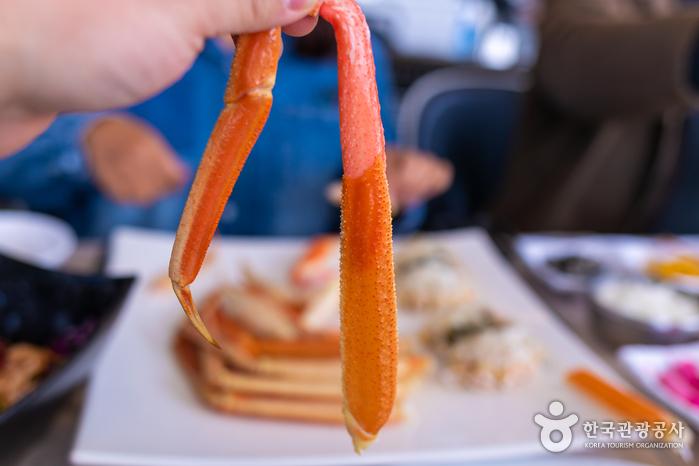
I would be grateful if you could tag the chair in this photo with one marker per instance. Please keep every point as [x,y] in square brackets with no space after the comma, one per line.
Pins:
[467,116]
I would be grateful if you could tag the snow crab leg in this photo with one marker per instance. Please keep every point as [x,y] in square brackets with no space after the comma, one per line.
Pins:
[368,307]
[248,100]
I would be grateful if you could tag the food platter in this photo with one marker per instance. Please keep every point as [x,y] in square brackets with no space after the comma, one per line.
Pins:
[645,256]
[141,410]
[639,289]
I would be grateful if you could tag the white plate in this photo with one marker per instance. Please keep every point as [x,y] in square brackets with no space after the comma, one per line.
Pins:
[648,362]
[140,409]
[38,239]
[551,460]
[558,461]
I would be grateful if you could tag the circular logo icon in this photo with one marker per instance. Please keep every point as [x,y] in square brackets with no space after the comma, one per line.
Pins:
[562,426]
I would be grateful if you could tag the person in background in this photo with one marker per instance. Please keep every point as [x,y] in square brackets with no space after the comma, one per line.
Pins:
[83,158]
[609,138]
[74,55]
[132,168]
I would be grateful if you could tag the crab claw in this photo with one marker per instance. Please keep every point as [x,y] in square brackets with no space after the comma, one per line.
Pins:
[248,101]
[184,295]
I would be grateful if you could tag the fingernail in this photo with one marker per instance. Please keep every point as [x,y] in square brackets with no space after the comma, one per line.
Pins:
[300,5]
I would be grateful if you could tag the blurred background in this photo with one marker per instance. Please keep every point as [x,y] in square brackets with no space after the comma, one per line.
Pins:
[515,115]
[450,72]
[565,129]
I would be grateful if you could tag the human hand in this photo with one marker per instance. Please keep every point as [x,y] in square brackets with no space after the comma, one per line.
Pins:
[415,176]
[130,162]
[92,55]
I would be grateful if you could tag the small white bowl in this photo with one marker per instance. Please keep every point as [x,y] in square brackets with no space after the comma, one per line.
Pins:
[37,239]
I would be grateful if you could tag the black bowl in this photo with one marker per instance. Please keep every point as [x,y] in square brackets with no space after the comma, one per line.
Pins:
[66,313]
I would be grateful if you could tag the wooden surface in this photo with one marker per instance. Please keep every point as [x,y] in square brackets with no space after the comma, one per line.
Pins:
[44,437]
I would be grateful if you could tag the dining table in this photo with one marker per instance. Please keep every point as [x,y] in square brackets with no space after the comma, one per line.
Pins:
[45,435]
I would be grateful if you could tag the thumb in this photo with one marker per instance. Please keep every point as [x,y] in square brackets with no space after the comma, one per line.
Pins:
[242,16]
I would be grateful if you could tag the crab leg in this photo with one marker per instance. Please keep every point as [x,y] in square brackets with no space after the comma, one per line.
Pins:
[368,321]
[248,101]
[368,305]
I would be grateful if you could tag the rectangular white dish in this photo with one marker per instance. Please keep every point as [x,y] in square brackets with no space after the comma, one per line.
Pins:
[140,409]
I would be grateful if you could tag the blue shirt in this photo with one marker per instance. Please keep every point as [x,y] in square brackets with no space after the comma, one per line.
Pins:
[281,190]
[50,174]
